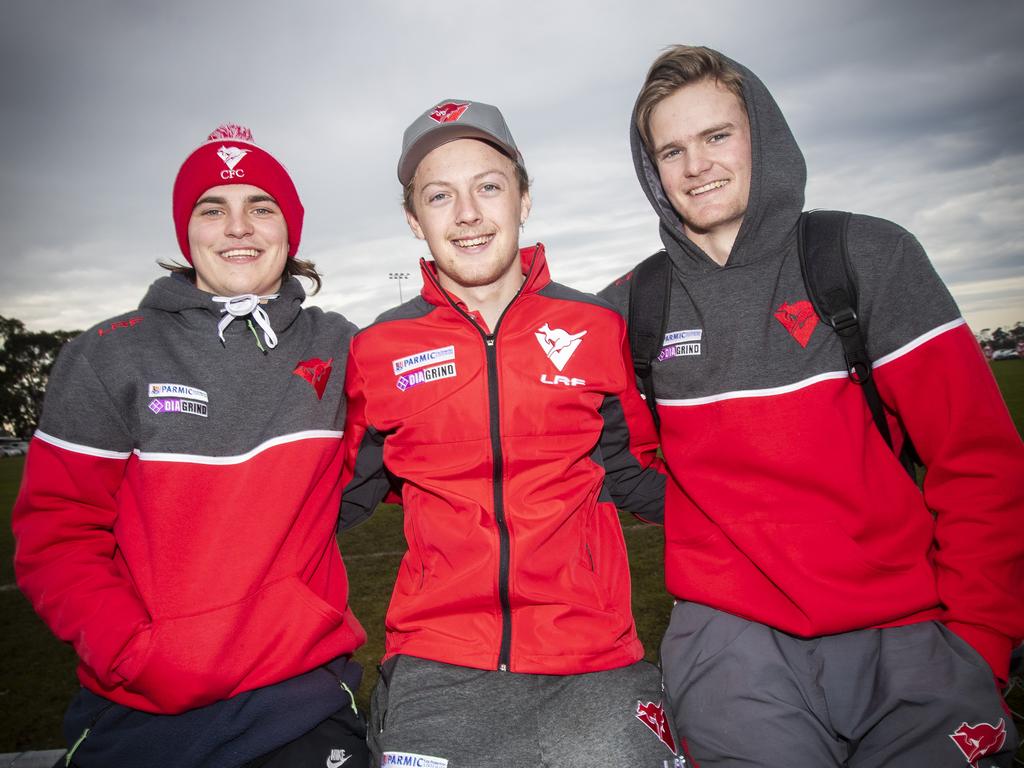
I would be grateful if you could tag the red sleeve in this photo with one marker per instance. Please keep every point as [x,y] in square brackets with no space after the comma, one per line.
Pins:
[943,390]
[65,555]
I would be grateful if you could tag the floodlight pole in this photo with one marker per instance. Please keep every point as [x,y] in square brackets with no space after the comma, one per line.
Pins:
[399,276]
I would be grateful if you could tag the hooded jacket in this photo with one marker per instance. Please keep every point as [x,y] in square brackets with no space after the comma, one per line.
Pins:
[512,447]
[784,504]
[176,519]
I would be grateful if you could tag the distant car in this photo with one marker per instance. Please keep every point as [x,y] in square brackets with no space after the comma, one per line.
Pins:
[18,448]
[1005,354]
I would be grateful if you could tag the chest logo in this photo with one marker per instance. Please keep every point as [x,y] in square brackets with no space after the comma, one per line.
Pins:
[558,345]
[316,372]
[178,390]
[422,376]
[413,760]
[178,398]
[420,359]
[175,405]
[798,319]
[681,344]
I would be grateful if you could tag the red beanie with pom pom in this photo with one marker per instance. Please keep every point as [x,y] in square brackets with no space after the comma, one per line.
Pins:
[229,156]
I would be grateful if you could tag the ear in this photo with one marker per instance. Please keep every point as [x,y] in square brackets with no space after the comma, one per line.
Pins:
[524,208]
[414,225]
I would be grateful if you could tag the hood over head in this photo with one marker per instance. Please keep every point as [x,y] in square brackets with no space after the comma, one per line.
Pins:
[777,180]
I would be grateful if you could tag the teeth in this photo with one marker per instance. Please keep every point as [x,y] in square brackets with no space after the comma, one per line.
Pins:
[473,241]
[240,253]
[709,187]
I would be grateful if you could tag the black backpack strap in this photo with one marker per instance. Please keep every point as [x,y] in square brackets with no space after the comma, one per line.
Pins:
[649,293]
[824,262]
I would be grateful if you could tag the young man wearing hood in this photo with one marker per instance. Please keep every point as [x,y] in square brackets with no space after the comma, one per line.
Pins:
[829,610]
[177,517]
[493,401]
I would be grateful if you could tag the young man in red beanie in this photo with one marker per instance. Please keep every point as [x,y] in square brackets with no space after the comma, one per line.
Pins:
[504,404]
[176,519]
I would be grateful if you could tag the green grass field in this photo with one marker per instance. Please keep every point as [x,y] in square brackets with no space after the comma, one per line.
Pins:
[37,671]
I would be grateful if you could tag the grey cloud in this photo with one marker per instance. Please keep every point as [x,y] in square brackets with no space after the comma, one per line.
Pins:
[909,110]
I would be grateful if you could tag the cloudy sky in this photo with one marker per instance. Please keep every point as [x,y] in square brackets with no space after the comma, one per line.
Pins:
[909,110]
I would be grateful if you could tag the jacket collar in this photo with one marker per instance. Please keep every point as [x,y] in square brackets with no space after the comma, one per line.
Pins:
[533,262]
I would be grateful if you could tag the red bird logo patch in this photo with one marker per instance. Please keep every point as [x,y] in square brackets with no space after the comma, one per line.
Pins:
[448,112]
[653,716]
[978,741]
[799,319]
[316,372]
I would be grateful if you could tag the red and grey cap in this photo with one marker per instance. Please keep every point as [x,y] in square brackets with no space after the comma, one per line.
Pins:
[449,120]
[229,156]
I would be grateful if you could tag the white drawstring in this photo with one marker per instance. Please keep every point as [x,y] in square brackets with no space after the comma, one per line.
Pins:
[247,304]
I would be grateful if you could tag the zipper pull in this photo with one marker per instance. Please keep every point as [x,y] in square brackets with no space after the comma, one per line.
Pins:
[503,668]
[490,341]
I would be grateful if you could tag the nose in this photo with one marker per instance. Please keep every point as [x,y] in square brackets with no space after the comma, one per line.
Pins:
[696,161]
[237,224]
[467,211]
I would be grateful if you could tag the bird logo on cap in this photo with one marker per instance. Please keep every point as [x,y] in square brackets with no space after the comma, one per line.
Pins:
[448,112]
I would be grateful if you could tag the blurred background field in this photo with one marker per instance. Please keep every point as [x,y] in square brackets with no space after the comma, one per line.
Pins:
[37,677]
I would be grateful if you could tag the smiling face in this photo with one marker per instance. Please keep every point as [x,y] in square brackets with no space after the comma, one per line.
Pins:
[238,241]
[467,205]
[700,137]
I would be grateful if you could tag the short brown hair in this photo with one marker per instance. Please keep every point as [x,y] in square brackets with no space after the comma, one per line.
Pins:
[678,66]
[293,267]
[521,177]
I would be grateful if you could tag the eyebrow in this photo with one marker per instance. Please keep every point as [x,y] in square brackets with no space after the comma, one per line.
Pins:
[706,132]
[477,177]
[211,200]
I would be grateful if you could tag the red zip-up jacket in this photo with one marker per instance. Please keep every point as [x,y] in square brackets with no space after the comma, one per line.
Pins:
[513,447]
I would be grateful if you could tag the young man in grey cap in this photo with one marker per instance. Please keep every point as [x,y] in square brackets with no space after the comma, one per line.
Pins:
[492,402]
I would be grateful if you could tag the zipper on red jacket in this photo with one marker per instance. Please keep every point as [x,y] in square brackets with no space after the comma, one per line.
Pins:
[498,466]
[498,483]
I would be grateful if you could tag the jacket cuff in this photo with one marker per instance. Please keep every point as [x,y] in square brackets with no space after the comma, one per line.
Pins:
[993,647]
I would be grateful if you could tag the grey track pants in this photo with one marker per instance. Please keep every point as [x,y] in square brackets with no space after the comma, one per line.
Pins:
[433,715]
[917,696]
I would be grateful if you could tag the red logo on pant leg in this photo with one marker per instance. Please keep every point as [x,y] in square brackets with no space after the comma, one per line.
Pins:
[799,319]
[978,741]
[653,716]
[316,372]
[448,112]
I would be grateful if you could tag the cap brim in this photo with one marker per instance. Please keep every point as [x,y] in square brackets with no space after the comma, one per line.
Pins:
[435,137]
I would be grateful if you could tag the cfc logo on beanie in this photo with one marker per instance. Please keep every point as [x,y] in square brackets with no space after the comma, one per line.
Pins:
[232,156]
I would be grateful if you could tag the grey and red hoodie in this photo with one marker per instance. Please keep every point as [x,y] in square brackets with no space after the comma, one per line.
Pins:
[176,521]
[784,505]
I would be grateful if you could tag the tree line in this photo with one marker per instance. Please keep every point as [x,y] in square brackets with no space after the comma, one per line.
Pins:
[1001,338]
[26,358]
